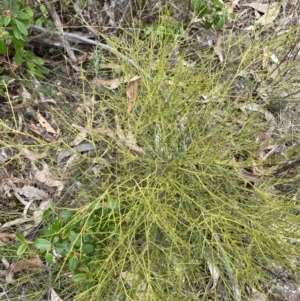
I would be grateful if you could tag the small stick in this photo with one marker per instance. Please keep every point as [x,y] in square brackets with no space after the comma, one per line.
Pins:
[91,42]
[59,27]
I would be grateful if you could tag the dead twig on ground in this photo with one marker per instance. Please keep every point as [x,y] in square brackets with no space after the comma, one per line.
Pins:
[59,27]
[41,38]
[79,38]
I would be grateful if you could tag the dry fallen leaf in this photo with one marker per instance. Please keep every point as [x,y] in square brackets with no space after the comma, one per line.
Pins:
[81,148]
[133,280]
[6,237]
[33,156]
[83,133]
[130,142]
[4,155]
[34,128]
[37,217]
[33,264]
[46,177]
[215,274]
[54,296]
[5,263]
[131,92]
[113,83]
[230,6]
[25,94]
[270,15]
[257,296]
[44,123]
[109,83]
[42,98]
[246,175]
[17,221]
[261,7]
[31,192]
[126,141]
[117,68]
[218,48]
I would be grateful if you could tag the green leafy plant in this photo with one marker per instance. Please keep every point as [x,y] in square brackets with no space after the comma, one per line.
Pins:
[43,19]
[74,238]
[213,12]
[166,31]
[14,25]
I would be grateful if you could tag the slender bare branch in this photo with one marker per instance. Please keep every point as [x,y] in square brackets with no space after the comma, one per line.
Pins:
[59,27]
[91,42]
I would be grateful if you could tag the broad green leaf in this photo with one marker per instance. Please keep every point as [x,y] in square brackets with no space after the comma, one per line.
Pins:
[66,214]
[30,54]
[88,238]
[74,237]
[3,48]
[16,32]
[22,28]
[39,61]
[2,19]
[29,12]
[202,11]
[87,249]
[62,248]
[48,232]
[91,221]
[55,239]
[23,16]
[72,263]
[22,248]
[113,203]
[79,277]
[6,20]
[66,233]
[42,244]
[49,258]
[21,237]
[196,3]
[30,65]
[220,23]
[5,34]
[40,74]
[96,206]
[47,213]
[18,43]
[15,7]
[56,224]
[200,8]
[232,16]
[43,8]
[18,58]
[4,78]
[218,3]
[39,22]
[207,25]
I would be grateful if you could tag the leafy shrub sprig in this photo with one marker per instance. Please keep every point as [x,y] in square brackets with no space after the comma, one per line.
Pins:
[14,25]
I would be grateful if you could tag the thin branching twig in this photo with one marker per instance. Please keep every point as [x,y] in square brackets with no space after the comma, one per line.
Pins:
[90,42]
[59,27]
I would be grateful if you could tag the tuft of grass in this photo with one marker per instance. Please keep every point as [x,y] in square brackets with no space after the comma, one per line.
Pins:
[176,221]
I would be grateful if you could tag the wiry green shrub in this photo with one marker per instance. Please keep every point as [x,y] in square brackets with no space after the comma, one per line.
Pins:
[185,223]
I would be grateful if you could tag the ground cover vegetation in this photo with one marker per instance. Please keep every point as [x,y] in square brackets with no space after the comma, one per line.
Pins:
[149,150]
